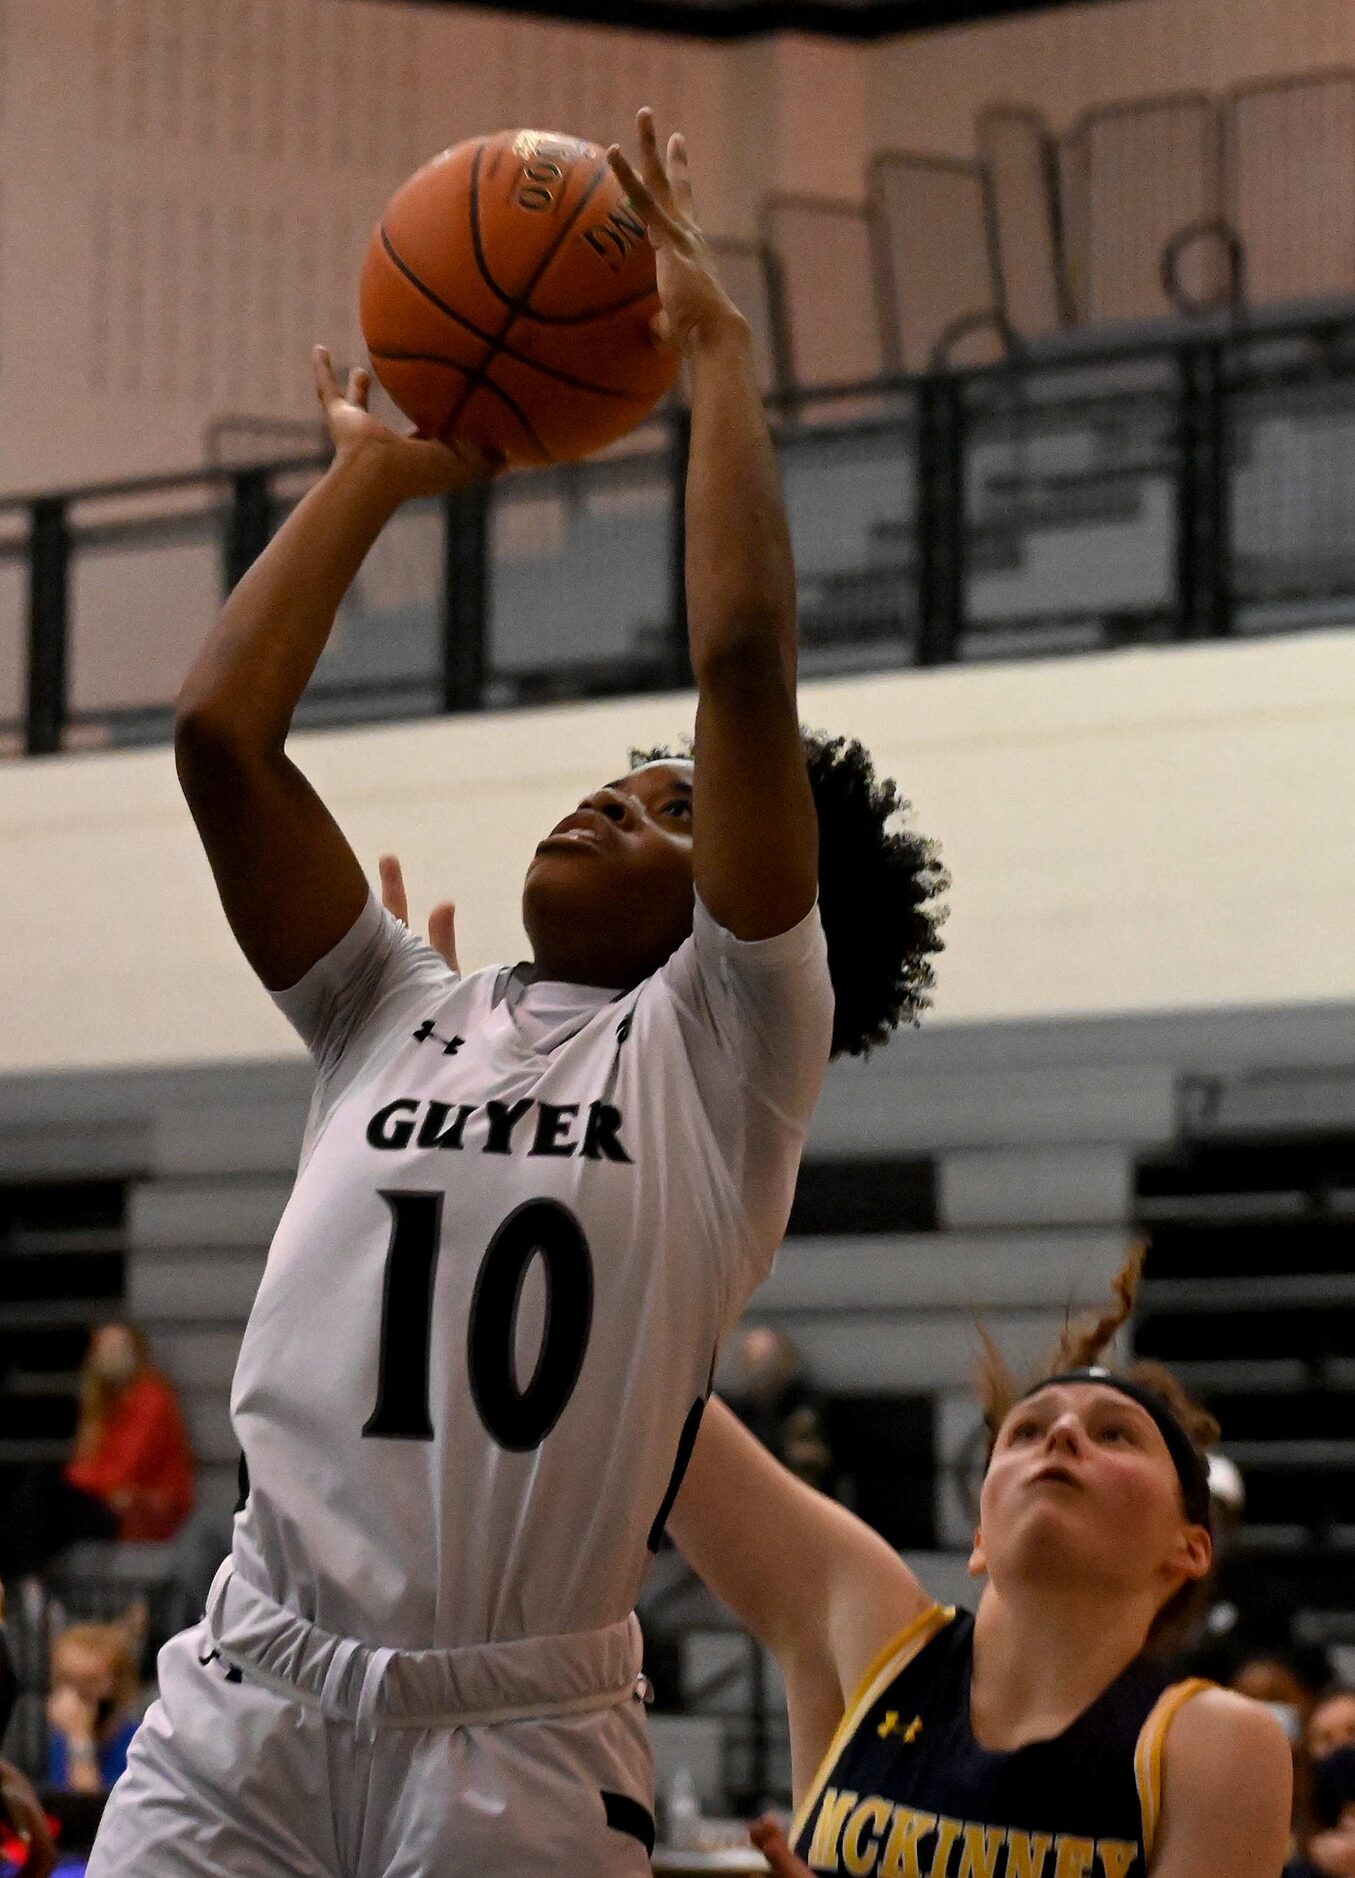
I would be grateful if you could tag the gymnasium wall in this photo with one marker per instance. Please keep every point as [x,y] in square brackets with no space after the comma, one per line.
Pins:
[1128,833]
[924,89]
[189,187]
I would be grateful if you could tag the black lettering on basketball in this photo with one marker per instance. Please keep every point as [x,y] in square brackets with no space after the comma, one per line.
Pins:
[534,196]
[607,243]
[543,172]
[617,237]
[627,224]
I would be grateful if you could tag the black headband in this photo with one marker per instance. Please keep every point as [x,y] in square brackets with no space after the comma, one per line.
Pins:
[1192,1469]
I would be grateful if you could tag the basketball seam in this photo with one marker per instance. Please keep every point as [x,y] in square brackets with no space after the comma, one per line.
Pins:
[508,352]
[517,304]
[597,313]
[479,378]
[486,384]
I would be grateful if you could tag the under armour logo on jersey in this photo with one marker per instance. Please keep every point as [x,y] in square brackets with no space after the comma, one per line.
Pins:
[450,1045]
[891,1725]
[215,1656]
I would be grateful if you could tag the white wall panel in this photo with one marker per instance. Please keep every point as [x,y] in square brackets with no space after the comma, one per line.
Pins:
[1075,1186]
[879,1273]
[207,1213]
[1145,831]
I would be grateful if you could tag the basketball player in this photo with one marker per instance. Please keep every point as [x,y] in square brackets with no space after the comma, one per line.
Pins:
[1035,1739]
[531,1201]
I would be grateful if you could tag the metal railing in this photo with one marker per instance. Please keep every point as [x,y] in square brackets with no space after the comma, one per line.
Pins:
[1189,482]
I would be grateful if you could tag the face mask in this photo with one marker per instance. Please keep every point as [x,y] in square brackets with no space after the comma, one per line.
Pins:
[9,1683]
[1289,1719]
[1333,1784]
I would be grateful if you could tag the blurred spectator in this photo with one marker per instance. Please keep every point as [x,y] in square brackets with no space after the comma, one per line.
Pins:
[1328,1835]
[1281,1684]
[1328,1846]
[131,1475]
[1331,1724]
[764,1381]
[91,1711]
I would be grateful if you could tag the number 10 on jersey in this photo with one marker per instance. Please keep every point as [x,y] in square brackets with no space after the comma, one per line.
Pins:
[517,1418]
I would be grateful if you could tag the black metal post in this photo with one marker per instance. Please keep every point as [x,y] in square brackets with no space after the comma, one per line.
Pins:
[1204,599]
[759,1719]
[248,526]
[940,518]
[679,661]
[465,598]
[49,551]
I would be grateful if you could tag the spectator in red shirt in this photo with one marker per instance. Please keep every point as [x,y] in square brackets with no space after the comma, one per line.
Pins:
[131,1447]
[131,1475]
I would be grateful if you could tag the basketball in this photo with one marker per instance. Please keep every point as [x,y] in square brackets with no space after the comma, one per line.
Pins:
[506,299]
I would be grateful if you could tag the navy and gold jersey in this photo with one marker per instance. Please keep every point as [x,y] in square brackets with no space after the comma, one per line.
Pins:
[905,1789]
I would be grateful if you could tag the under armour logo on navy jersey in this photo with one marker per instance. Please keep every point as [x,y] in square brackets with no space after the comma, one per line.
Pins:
[450,1045]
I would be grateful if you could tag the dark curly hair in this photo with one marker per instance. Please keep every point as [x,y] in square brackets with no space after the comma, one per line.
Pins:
[878,893]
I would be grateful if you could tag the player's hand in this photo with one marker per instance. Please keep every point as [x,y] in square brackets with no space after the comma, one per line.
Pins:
[695,307]
[417,466]
[770,1839]
[70,1714]
[23,1809]
[441,921]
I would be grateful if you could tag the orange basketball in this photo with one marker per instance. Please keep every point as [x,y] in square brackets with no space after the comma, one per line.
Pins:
[507,295]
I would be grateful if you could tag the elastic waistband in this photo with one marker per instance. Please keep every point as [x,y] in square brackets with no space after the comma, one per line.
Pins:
[473,1686]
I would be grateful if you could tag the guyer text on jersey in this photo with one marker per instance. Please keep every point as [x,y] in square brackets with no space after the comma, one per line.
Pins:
[560,1129]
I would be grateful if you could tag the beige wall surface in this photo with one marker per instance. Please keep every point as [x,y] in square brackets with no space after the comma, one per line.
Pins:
[1145,830]
[189,186]
[925,88]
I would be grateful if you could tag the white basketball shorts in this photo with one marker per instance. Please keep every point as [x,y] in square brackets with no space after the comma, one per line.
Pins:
[276,1750]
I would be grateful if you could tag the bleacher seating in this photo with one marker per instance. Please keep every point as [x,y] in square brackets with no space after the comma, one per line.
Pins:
[964,1172]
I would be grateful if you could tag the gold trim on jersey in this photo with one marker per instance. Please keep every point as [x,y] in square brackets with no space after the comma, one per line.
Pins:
[896,1655]
[1148,1755]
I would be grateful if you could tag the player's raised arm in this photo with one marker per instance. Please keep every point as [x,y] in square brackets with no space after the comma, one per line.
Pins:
[755,834]
[806,1576]
[289,882]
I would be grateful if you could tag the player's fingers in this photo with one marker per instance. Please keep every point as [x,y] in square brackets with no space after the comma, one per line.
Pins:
[651,162]
[767,1835]
[442,932]
[359,385]
[393,895]
[652,212]
[679,175]
[326,384]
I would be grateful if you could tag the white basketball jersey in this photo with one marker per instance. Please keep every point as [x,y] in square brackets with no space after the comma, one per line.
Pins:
[495,1297]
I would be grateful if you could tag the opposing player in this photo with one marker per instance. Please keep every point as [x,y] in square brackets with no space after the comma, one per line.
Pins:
[531,1200]
[1036,1739]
